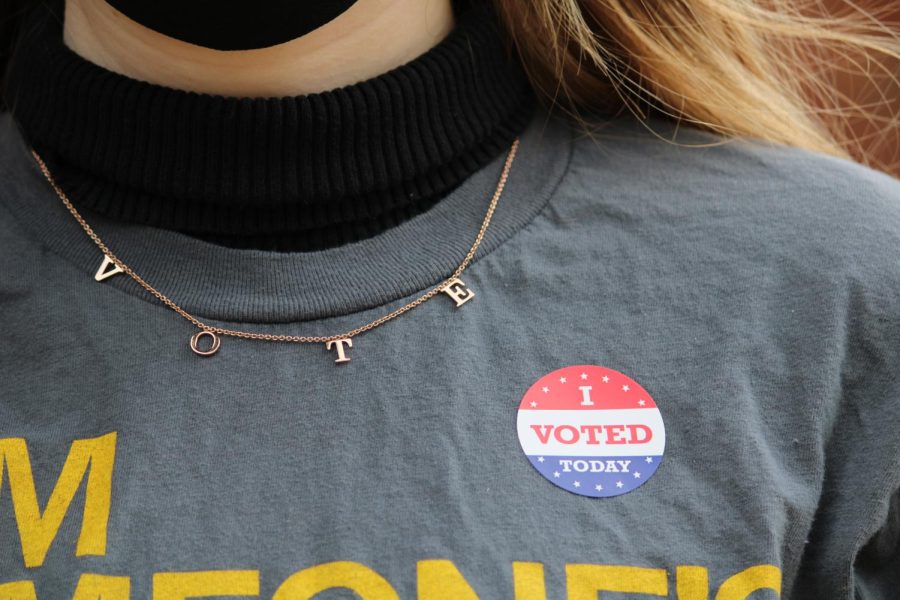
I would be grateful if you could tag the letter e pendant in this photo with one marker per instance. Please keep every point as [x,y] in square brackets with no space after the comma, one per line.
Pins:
[457,290]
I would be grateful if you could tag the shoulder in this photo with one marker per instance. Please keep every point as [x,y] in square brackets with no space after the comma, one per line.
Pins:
[21,187]
[18,175]
[657,160]
[743,198]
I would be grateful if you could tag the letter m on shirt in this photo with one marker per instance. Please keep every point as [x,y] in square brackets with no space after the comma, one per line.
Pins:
[90,459]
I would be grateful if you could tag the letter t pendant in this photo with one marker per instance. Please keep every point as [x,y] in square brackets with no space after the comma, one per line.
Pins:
[339,346]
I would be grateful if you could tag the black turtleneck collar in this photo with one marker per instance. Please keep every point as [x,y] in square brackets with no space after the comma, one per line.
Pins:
[292,173]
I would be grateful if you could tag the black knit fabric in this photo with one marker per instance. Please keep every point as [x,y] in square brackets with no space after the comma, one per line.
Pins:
[292,173]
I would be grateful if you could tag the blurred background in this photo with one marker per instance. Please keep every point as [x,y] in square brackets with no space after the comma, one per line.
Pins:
[860,93]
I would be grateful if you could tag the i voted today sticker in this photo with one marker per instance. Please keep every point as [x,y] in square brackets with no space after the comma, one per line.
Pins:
[591,430]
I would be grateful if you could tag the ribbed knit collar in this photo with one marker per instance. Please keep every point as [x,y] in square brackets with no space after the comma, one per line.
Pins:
[291,173]
[374,275]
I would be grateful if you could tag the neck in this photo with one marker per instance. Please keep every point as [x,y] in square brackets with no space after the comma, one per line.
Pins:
[338,53]
[289,172]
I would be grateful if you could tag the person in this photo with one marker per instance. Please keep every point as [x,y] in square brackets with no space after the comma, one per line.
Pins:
[443,300]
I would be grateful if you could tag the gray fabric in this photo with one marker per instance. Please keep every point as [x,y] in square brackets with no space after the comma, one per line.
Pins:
[751,289]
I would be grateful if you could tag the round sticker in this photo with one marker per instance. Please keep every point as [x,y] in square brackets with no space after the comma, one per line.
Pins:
[591,430]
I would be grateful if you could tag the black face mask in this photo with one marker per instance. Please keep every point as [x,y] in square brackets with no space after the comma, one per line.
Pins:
[232,24]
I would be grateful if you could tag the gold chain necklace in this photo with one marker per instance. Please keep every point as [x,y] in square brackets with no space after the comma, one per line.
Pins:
[453,286]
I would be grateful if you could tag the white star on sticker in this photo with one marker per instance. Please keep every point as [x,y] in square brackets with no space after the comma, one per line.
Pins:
[605,379]
[619,484]
[533,404]
[584,375]
[648,459]
[562,379]
[556,473]
[637,474]
[642,402]
[540,459]
[577,484]
[545,389]
[625,388]
[598,487]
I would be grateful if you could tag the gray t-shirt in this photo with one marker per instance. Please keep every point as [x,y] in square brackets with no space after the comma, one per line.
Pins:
[748,295]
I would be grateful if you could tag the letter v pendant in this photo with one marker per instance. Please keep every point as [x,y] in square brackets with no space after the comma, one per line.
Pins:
[207,341]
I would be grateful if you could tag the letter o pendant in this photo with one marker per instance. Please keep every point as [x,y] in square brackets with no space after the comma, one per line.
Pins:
[213,348]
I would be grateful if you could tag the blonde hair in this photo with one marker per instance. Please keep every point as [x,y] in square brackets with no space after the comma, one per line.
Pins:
[759,68]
